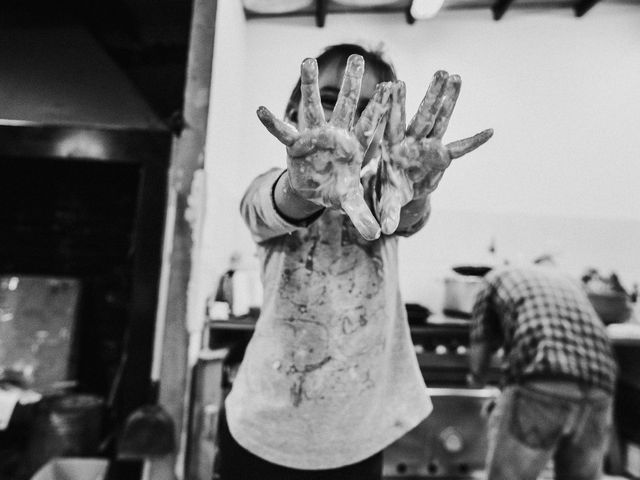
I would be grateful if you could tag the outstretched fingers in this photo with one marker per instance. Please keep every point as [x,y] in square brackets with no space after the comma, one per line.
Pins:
[462,147]
[452,90]
[425,117]
[311,104]
[372,115]
[284,132]
[396,124]
[345,107]
[357,210]
[389,201]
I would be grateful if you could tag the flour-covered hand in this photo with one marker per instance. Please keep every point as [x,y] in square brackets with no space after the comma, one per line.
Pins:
[414,159]
[324,158]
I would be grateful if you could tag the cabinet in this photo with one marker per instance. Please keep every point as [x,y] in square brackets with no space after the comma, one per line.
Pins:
[207,396]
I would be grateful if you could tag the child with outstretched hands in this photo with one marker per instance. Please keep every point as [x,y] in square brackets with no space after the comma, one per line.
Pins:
[330,376]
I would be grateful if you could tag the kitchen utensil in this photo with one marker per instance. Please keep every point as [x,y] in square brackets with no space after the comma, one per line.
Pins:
[148,432]
[459,295]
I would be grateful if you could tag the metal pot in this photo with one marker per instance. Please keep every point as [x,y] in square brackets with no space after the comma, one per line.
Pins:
[461,288]
[460,293]
[611,307]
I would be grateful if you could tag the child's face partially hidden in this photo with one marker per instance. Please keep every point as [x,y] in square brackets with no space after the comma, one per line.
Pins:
[329,82]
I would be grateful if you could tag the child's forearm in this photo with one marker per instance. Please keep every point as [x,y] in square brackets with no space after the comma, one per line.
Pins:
[289,203]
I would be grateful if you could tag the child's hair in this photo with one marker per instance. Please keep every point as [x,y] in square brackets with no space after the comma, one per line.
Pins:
[373,60]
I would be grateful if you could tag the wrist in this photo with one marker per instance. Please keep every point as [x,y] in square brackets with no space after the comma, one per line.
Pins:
[428,184]
[418,205]
[289,203]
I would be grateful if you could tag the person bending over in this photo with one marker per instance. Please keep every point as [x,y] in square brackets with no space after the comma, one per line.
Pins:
[559,374]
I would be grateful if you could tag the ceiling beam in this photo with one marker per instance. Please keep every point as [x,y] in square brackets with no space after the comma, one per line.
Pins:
[500,7]
[321,12]
[583,6]
[408,15]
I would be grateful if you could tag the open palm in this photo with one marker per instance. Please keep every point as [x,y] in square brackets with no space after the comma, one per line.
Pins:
[414,160]
[324,158]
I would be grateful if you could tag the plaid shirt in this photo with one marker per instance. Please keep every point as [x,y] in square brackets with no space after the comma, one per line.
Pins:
[546,325]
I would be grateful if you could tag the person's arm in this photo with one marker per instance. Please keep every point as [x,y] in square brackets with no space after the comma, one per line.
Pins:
[479,360]
[485,335]
[290,204]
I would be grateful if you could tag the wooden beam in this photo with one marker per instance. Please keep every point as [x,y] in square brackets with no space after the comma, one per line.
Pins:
[500,7]
[321,12]
[186,159]
[410,18]
[583,6]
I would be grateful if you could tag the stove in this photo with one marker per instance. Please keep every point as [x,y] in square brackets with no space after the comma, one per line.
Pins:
[449,443]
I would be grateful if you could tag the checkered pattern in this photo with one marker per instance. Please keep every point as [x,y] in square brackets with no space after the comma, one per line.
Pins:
[546,326]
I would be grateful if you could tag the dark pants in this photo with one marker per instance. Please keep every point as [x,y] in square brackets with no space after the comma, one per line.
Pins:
[234,462]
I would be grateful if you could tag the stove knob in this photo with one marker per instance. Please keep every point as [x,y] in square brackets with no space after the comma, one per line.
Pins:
[441,350]
[451,440]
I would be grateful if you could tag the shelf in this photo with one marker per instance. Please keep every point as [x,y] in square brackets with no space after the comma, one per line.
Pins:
[436,325]
[242,323]
[450,334]
[625,334]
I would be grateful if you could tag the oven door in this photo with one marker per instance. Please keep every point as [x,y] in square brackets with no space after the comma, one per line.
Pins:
[451,442]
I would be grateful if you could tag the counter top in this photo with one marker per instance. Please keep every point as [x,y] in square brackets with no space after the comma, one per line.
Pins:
[624,334]
[436,326]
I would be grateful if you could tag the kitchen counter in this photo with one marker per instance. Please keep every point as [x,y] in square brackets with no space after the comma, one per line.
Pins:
[441,345]
[439,330]
[626,334]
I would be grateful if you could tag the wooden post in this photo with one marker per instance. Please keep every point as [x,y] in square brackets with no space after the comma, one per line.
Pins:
[321,12]
[187,157]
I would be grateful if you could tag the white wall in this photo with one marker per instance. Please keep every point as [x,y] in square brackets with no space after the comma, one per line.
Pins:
[225,178]
[561,174]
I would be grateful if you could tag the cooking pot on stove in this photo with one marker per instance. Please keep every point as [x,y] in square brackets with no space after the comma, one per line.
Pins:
[461,288]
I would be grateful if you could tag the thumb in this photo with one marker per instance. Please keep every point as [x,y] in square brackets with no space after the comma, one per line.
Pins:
[388,208]
[392,193]
[284,132]
[357,210]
